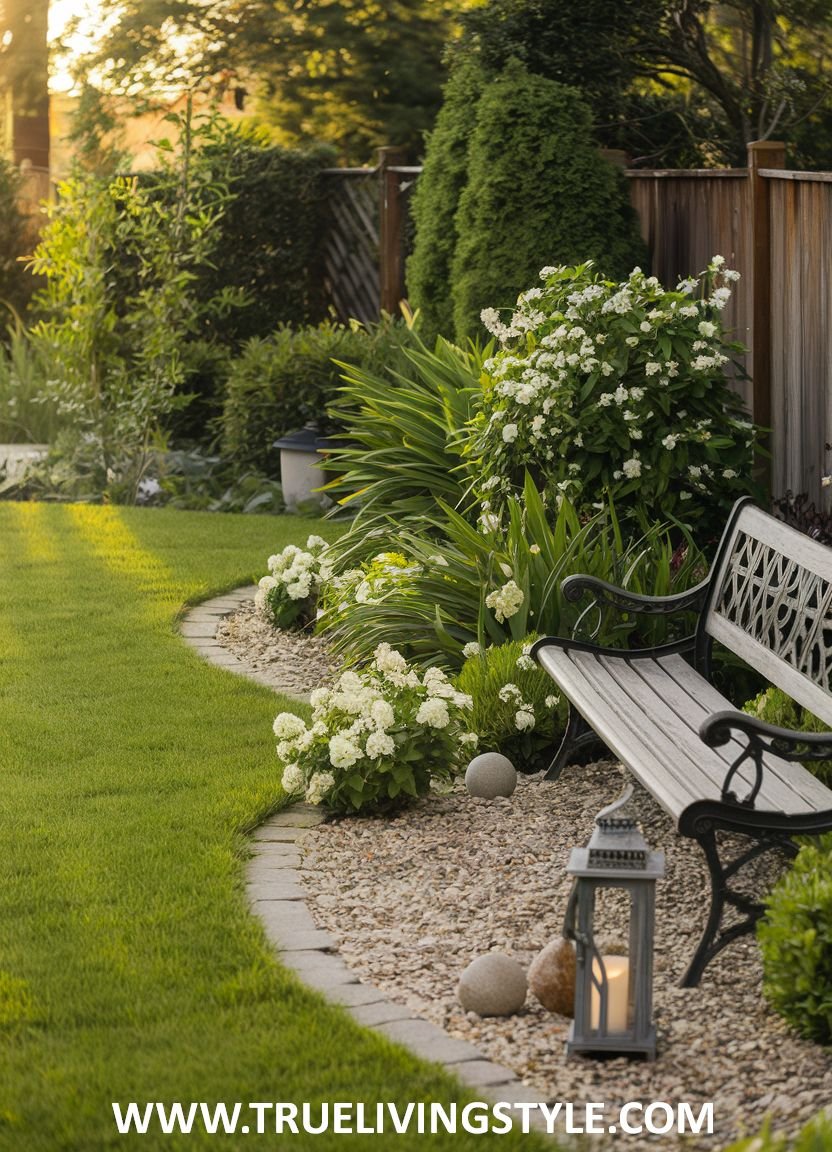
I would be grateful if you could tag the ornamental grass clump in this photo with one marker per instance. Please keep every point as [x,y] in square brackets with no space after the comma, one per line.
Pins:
[379,739]
[515,709]
[288,596]
[617,388]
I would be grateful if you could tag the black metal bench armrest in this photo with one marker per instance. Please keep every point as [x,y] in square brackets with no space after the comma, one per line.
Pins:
[761,738]
[573,587]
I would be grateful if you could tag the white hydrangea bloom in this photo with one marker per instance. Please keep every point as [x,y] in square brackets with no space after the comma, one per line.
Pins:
[379,744]
[472,649]
[382,714]
[525,663]
[343,752]
[320,785]
[510,433]
[434,713]
[292,780]
[707,328]
[288,726]
[552,701]
[524,720]
[510,693]
[320,697]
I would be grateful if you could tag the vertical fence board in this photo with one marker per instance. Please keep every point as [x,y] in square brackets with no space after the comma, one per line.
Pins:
[688,217]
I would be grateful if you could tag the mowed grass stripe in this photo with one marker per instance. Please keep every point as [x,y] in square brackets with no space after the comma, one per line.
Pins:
[130,968]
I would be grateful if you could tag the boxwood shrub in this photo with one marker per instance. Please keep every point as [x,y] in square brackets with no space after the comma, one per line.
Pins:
[287,379]
[796,942]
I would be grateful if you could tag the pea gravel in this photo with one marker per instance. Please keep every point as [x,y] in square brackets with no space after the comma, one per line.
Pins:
[411,900]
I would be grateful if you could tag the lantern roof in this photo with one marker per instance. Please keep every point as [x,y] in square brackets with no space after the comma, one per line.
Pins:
[617,847]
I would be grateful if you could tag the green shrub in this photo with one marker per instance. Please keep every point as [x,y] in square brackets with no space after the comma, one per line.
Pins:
[269,238]
[815,1137]
[283,381]
[616,387]
[26,414]
[435,200]
[796,942]
[775,707]
[404,429]
[538,192]
[16,284]
[516,710]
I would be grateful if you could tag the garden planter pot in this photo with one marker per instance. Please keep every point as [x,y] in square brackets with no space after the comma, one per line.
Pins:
[300,468]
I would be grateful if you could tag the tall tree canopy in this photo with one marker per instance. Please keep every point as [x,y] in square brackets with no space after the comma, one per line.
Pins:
[356,73]
[671,79]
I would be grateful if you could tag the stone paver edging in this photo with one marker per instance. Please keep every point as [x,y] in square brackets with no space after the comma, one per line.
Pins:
[277,896]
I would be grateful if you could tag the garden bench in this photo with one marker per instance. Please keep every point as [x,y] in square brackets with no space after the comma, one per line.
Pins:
[767,599]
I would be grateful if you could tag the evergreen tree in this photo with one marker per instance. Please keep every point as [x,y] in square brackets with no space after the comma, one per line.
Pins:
[538,193]
[435,201]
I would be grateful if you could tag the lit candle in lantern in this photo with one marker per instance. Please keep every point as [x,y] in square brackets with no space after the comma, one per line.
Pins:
[617,969]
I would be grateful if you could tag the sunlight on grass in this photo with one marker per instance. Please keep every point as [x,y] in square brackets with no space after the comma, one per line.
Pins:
[130,967]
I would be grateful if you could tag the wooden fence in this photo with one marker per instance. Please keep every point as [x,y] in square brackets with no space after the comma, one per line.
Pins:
[773,226]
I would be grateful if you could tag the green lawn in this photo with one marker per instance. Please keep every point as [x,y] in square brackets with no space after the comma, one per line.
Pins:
[130,771]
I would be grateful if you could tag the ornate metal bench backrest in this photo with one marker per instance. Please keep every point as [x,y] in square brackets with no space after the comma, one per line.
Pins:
[770,602]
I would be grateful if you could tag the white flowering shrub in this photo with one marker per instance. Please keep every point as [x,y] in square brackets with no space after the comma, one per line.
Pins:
[516,708]
[288,595]
[599,386]
[378,739]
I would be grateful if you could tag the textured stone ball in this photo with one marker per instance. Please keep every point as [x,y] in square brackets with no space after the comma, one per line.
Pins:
[492,985]
[489,775]
[552,977]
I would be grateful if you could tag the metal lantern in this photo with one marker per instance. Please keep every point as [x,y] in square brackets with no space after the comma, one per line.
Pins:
[614,994]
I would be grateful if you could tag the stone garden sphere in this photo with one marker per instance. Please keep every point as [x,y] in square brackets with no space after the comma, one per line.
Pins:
[490,775]
[492,985]
[552,977]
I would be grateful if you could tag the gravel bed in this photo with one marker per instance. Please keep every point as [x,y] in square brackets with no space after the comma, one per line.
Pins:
[291,662]
[413,899]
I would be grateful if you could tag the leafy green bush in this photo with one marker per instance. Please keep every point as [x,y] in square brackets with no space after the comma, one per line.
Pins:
[26,414]
[404,429]
[378,739]
[283,381]
[619,388]
[796,942]
[538,191]
[775,707]
[516,710]
[815,1137]
[435,199]
[16,284]
[465,585]
[269,238]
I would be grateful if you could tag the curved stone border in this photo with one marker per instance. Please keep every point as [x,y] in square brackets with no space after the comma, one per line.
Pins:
[276,894]
[199,629]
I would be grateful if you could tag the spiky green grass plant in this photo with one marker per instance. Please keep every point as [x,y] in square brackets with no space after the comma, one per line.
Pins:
[130,967]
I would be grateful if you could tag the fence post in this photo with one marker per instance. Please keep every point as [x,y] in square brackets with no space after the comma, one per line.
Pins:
[762,154]
[390,229]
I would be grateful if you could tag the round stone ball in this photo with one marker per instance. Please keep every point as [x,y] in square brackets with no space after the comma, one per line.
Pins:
[490,775]
[492,985]
[552,977]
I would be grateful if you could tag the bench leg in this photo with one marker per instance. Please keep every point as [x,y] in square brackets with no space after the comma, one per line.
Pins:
[578,735]
[715,938]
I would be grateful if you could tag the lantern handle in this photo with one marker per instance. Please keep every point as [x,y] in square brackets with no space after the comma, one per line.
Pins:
[605,814]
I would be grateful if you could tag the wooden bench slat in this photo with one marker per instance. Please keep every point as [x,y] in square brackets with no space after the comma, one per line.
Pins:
[601,706]
[795,777]
[676,682]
